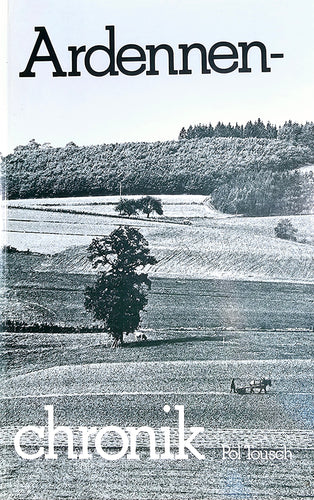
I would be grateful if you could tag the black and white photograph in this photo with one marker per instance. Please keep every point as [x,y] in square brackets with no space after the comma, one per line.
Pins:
[157,278]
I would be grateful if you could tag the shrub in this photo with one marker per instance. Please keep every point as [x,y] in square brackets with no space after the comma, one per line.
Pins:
[285,230]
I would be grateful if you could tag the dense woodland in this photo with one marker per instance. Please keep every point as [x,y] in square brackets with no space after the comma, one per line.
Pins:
[253,175]
[265,192]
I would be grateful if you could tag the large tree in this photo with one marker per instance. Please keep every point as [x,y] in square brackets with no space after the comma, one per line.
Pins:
[120,292]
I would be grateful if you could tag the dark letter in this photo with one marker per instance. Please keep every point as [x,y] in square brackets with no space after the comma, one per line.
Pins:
[75,52]
[152,59]
[212,56]
[111,53]
[121,59]
[43,36]
[185,52]
[245,49]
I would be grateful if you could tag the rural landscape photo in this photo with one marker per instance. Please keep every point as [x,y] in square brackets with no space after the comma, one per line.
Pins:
[209,241]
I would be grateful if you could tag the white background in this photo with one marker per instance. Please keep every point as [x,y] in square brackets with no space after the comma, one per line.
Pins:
[91,110]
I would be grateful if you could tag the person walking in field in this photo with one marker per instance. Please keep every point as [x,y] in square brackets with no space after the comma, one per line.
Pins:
[232,387]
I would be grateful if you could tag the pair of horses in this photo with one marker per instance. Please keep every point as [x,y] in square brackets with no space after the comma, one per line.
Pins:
[260,384]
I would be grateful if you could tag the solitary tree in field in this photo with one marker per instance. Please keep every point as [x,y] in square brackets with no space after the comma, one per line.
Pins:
[126,207]
[285,230]
[149,204]
[120,292]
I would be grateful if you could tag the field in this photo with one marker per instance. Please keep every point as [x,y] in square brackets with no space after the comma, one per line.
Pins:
[228,300]
[91,384]
[213,246]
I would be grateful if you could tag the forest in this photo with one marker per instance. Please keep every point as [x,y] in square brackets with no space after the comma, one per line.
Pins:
[249,174]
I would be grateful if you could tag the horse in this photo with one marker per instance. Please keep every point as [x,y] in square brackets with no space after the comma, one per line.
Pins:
[260,384]
[140,336]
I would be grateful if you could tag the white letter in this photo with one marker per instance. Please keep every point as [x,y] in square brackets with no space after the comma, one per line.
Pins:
[225,451]
[122,434]
[280,455]
[286,453]
[186,443]
[17,445]
[152,442]
[52,434]
[85,433]
[167,455]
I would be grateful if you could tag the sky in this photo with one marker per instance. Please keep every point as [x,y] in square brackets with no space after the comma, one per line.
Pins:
[94,110]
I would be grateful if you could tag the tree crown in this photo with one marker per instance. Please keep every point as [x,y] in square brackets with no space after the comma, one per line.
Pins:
[149,204]
[123,250]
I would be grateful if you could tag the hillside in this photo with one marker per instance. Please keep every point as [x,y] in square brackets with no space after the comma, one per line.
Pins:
[213,248]
[185,166]
[211,245]
[230,248]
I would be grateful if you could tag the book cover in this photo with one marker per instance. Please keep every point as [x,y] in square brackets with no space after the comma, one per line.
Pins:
[157,261]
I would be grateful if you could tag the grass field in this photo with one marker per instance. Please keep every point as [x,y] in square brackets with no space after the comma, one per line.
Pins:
[93,385]
[195,348]
[213,246]
[202,332]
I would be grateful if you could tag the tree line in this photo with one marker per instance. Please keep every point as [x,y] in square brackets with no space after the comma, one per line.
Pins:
[171,167]
[291,131]
[250,129]
[227,168]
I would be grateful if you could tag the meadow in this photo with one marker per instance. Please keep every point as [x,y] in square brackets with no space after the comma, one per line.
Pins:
[214,245]
[91,384]
[228,300]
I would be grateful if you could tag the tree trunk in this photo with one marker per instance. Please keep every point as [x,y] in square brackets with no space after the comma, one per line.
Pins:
[117,340]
